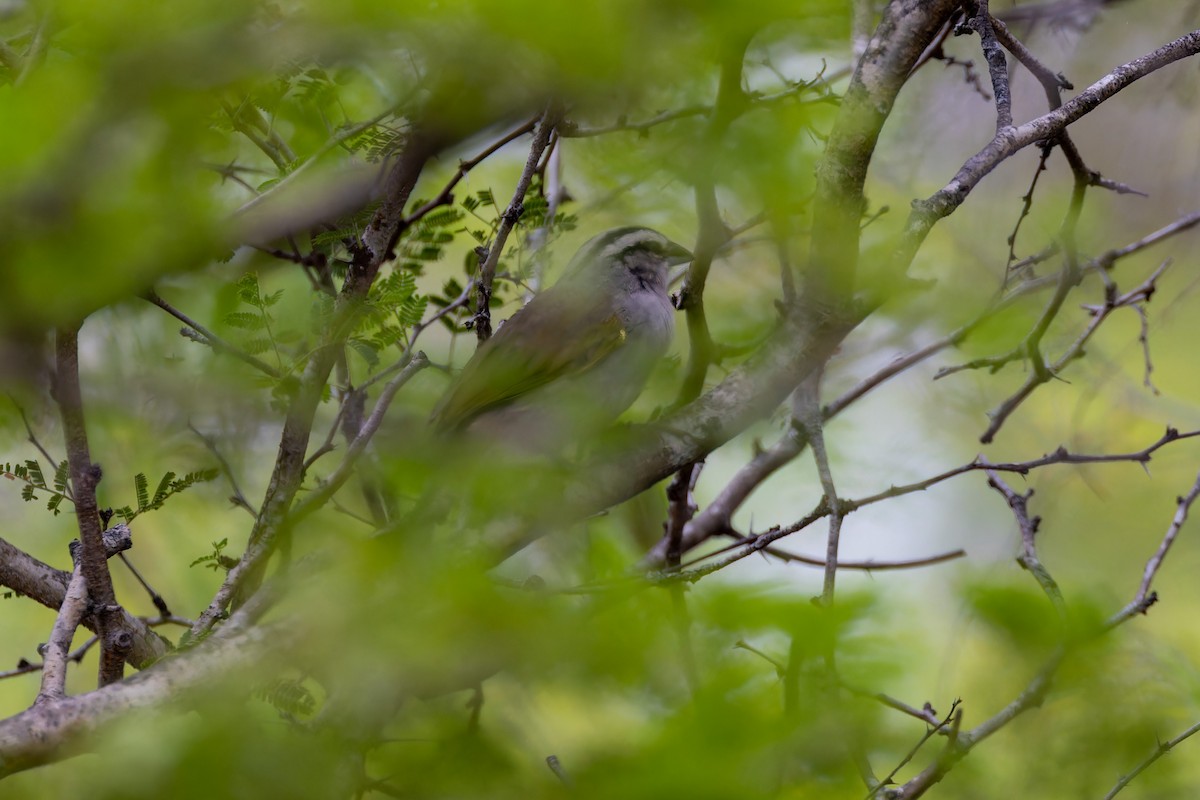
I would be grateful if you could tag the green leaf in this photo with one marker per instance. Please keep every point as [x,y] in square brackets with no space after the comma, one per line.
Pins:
[141,489]
[216,559]
[365,350]
[245,320]
[535,212]
[248,291]
[164,489]
[443,218]
[412,311]
[288,696]
[428,253]
[257,345]
[386,336]
[61,476]
[34,471]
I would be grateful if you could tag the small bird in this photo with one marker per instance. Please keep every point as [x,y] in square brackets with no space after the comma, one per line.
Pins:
[576,355]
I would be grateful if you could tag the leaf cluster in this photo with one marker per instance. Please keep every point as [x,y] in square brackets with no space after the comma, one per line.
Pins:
[30,473]
[168,485]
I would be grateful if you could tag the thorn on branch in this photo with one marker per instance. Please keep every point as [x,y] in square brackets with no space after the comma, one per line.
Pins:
[1150,600]
[513,213]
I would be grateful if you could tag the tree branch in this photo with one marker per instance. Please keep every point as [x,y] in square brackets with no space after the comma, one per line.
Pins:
[1144,597]
[211,339]
[115,640]
[942,203]
[516,207]
[56,652]
[712,234]
[380,238]
[1159,751]
[905,30]
[42,734]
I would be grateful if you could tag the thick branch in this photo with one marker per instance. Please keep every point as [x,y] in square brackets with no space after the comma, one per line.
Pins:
[42,734]
[74,606]
[58,647]
[46,585]
[981,23]
[747,394]
[115,641]
[906,29]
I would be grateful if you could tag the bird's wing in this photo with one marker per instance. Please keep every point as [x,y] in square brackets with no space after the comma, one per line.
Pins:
[558,333]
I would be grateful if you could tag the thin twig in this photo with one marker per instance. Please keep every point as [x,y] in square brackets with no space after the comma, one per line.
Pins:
[806,413]
[32,438]
[446,195]
[926,213]
[680,508]
[458,302]
[754,544]
[953,718]
[1145,597]
[237,498]
[712,234]
[327,445]
[211,339]
[155,597]
[1038,687]
[1159,751]
[1043,372]
[1019,503]
[820,84]
[243,119]
[508,220]
[25,667]
[715,518]
[334,142]
[55,652]
[378,241]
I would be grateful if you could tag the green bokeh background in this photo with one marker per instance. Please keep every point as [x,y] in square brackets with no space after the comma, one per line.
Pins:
[107,189]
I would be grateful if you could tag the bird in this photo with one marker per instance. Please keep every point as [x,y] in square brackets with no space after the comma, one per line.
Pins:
[575,356]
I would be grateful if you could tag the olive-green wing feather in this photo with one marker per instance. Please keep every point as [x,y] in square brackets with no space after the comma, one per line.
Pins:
[555,335]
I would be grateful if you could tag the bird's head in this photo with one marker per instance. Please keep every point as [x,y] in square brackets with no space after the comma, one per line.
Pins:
[632,253]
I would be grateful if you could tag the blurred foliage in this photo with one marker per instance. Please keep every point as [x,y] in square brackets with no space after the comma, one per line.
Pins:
[135,142]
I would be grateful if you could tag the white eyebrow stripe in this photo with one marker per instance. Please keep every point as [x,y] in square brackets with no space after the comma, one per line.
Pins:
[630,238]
[609,245]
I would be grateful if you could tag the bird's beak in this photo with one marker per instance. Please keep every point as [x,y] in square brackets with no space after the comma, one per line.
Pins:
[677,254]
